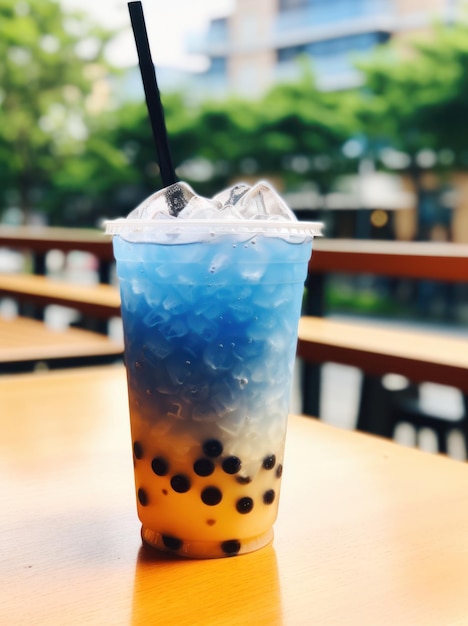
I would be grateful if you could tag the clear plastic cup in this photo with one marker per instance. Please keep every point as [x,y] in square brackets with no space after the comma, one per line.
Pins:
[210,314]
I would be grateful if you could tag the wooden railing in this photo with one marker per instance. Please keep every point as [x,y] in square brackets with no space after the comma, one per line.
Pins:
[39,240]
[31,341]
[419,355]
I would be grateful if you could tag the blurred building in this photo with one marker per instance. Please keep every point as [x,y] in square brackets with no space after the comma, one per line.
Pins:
[262,40]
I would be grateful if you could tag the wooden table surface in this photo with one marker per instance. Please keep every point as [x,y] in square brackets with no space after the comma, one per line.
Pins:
[368,533]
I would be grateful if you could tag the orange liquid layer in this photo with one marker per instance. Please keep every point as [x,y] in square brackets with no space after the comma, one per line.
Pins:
[245,511]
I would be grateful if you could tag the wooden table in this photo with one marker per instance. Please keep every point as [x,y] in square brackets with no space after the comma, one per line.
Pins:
[368,533]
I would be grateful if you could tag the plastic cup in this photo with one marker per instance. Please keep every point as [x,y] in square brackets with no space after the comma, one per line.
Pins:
[210,315]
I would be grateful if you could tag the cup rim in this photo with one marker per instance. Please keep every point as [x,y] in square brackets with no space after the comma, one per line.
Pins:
[125,226]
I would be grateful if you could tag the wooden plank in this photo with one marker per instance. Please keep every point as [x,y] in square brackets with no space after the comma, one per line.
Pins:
[41,239]
[419,355]
[23,340]
[101,301]
[417,260]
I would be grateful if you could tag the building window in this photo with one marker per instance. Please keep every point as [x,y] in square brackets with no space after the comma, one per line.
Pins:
[218,30]
[289,5]
[324,11]
[339,46]
[218,66]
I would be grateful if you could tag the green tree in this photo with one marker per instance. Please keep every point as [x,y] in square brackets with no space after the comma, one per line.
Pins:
[415,101]
[51,60]
[293,133]
[119,166]
[302,131]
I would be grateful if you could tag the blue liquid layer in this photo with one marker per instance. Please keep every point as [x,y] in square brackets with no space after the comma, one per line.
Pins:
[210,333]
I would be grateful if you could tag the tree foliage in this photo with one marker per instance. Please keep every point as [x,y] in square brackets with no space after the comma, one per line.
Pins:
[50,62]
[76,163]
[417,99]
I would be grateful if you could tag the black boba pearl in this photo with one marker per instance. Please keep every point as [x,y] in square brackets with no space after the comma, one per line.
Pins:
[172,542]
[142,497]
[212,448]
[269,462]
[180,483]
[160,466]
[211,496]
[231,465]
[244,505]
[279,471]
[231,547]
[138,450]
[269,496]
[203,467]
[243,480]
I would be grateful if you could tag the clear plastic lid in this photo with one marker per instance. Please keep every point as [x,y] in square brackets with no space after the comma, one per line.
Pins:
[136,228]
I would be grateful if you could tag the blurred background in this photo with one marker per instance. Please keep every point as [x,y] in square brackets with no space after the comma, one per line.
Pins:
[354,109]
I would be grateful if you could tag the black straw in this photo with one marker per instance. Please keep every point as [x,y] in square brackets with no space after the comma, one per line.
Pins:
[153,97]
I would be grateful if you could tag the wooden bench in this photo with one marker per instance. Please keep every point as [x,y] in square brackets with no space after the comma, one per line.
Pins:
[26,343]
[421,356]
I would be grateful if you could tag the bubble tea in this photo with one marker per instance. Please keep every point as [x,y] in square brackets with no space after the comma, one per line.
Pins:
[211,296]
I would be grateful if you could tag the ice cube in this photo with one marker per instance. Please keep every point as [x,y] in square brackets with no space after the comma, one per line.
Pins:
[238,202]
[204,413]
[199,208]
[232,195]
[155,317]
[206,329]
[219,356]
[179,367]
[229,212]
[174,327]
[165,202]
[158,346]
[262,202]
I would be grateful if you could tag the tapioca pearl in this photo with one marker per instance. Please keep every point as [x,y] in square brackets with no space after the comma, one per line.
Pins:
[269,496]
[180,483]
[244,505]
[203,467]
[231,465]
[279,471]
[244,480]
[173,543]
[269,462]
[160,466]
[138,450]
[212,448]
[142,497]
[211,496]
[231,547]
